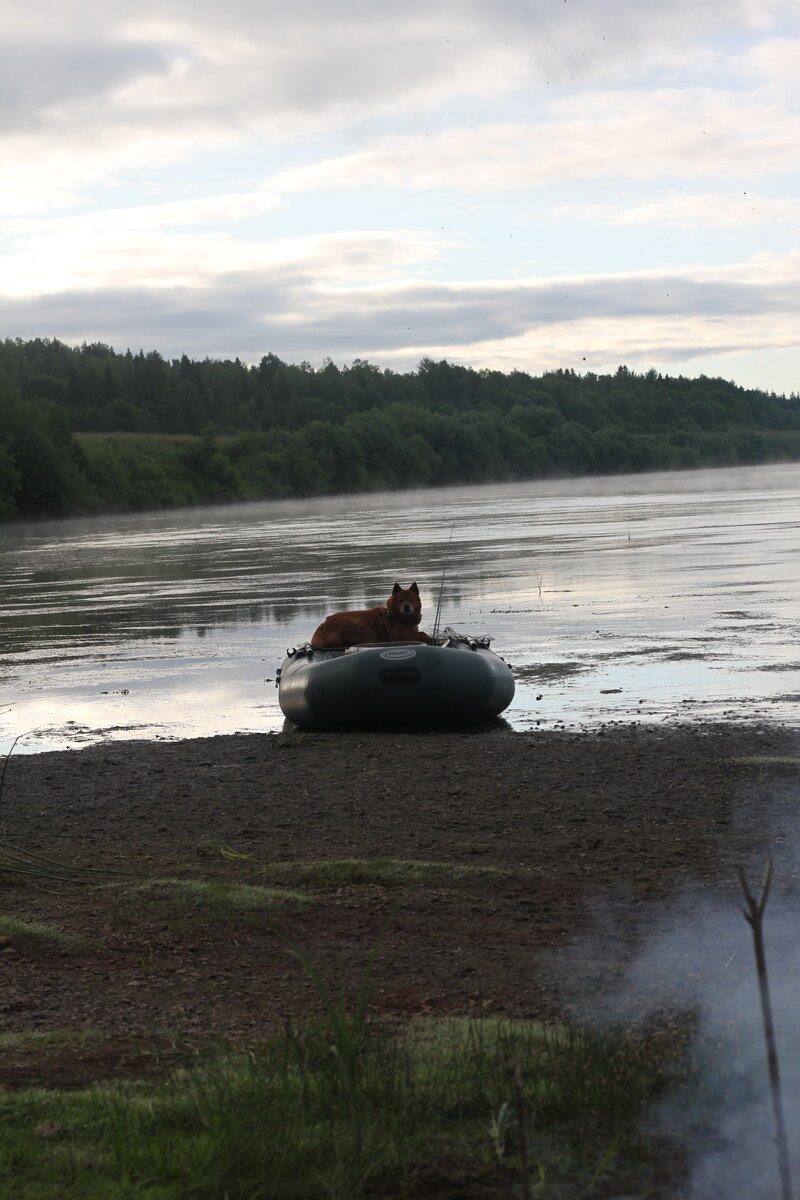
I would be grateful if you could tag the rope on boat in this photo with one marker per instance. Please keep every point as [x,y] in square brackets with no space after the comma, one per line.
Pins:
[449,637]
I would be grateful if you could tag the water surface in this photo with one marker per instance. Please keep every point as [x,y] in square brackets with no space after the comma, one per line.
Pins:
[651,597]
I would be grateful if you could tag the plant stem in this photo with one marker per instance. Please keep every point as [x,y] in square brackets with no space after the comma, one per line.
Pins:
[754,915]
[7,759]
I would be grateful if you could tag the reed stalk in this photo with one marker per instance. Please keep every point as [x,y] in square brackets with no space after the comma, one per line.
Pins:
[7,759]
[754,915]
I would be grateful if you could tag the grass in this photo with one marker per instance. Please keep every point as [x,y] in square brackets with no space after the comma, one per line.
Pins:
[386,871]
[774,773]
[769,760]
[44,1039]
[284,1120]
[37,933]
[213,900]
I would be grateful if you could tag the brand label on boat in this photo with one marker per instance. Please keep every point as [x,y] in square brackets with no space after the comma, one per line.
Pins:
[400,652]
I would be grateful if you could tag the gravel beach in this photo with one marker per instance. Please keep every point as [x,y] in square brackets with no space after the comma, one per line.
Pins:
[532,833]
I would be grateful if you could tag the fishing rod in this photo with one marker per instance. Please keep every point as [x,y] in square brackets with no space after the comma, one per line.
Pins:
[441,585]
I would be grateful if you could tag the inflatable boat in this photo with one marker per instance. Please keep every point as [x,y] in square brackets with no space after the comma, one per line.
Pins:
[398,683]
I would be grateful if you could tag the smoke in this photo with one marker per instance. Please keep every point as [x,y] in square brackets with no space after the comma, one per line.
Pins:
[697,956]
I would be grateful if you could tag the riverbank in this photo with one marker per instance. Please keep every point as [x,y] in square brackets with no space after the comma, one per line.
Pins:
[481,857]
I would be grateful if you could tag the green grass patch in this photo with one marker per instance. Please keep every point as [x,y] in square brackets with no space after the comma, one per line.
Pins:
[37,933]
[213,848]
[212,899]
[340,871]
[286,1122]
[46,1039]
[769,760]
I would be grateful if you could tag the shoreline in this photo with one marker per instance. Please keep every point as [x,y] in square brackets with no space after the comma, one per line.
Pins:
[182,784]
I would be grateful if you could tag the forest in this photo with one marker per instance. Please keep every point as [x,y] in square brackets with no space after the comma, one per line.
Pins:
[90,430]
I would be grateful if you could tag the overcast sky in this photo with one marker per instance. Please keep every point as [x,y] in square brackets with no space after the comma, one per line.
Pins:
[512,184]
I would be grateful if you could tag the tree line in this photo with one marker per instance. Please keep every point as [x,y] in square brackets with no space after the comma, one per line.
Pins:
[88,430]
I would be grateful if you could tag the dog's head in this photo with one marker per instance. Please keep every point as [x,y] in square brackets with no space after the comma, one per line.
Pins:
[404,604]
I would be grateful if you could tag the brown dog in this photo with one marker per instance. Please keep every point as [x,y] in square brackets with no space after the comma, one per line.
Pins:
[396,621]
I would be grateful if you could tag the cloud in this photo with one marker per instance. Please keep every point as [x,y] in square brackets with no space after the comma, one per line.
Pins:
[638,317]
[770,62]
[80,230]
[129,249]
[694,213]
[275,67]
[37,75]
[98,93]
[301,302]
[157,164]
[695,133]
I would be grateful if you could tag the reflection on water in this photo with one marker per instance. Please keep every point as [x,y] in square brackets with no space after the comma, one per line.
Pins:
[647,597]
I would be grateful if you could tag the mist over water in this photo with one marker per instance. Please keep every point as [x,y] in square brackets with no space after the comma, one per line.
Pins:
[652,597]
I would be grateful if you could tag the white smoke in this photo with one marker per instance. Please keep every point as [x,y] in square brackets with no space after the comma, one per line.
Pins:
[697,956]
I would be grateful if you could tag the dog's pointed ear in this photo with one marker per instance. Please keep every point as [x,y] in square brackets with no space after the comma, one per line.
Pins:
[396,589]
[414,588]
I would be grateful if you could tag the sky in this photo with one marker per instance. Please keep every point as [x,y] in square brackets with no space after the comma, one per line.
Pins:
[508,184]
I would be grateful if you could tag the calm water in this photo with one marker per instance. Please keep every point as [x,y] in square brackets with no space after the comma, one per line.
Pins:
[653,597]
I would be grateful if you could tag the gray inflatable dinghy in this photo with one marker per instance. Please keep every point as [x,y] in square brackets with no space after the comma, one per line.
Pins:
[459,680]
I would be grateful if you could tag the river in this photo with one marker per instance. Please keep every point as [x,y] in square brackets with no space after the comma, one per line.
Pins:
[655,597]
